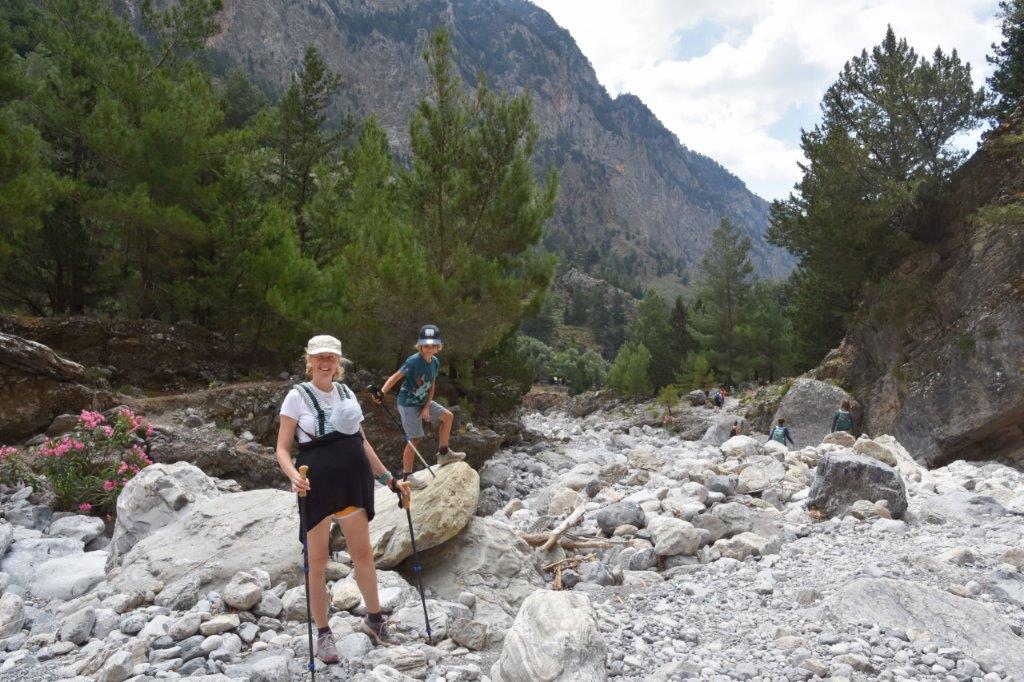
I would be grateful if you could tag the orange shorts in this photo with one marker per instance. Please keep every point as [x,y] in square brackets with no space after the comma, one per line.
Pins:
[346,511]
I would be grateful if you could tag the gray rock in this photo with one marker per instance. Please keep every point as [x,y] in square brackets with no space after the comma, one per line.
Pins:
[618,514]
[132,623]
[555,637]
[243,592]
[12,615]
[721,483]
[675,536]
[354,646]
[117,668]
[597,573]
[78,526]
[219,624]
[963,623]
[468,633]
[643,560]
[184,627]
[270,606]
[696,397]
[6,537]
[270,669]
[721,430]
[841,478]
[78,626]
[183,593]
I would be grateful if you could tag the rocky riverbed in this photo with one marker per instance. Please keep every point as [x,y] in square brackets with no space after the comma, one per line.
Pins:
[713,559]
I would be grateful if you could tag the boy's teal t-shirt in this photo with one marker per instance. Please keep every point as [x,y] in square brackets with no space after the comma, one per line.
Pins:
[419,377]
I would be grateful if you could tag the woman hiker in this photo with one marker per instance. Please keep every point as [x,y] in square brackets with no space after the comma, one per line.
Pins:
[323,415]
[843,418]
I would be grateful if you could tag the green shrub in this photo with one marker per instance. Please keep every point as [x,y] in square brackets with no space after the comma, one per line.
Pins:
[88,468]
[14,471]
[628,373]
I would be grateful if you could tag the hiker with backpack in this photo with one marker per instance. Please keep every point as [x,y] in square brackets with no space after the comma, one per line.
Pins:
[323,416]
[780,433]
[416,403]
[736,429]
[843,418]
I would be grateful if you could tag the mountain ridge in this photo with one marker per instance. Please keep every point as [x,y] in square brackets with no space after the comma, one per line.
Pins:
[630,189]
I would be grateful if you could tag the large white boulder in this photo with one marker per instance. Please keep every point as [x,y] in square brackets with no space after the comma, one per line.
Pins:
[439,512]
[154,498]
[216,539]
[742,447]
[68,577]
[25,556]
[489,560]
[808,408]
[555,638]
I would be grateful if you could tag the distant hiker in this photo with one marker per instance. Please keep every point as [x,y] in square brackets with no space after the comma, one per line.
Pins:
[719,400]
[780,434]
[735,430]
[843,419]
[416,402]
[324,417]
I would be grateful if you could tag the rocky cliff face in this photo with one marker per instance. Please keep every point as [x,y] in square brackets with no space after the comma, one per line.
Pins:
[938,359]
[627,182]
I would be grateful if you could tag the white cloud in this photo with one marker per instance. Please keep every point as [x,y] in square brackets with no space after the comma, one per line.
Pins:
[737,80]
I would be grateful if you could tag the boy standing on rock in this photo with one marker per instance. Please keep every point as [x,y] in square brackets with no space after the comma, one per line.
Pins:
[416,401]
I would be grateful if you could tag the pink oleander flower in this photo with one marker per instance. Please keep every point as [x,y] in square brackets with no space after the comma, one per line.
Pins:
[123,468]
[109,485]
[134,469]
[108,431]
[77,444]
[5,452]
[85,506]
[91,419]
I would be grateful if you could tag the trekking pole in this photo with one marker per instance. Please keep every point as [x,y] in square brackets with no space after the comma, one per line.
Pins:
[379,399]
[305,569]
[416,567]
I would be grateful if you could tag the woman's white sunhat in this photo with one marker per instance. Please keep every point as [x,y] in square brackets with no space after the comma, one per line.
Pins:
[323,344]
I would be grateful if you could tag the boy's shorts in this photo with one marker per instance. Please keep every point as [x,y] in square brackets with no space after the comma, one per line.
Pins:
[411,422]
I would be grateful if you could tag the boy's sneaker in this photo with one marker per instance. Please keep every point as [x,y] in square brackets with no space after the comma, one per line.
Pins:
[379,632]
[326,649]
[450,457]
[415,482]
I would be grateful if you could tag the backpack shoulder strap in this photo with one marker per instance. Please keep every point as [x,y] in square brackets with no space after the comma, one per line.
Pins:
[310,398]
[344,391]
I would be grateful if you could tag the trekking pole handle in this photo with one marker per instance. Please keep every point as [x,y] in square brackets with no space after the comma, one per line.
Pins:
[303,470]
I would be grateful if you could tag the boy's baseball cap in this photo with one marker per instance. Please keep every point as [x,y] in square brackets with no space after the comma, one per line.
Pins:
[430,335]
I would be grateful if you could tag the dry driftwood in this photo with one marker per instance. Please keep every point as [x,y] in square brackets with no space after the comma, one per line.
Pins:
[539,539]
[570,521]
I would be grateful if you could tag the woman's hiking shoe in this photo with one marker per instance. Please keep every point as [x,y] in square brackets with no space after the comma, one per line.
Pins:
[326,649]
[379,632]
[450,457]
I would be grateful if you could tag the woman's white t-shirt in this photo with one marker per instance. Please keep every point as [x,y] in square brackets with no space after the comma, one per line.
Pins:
[340,413]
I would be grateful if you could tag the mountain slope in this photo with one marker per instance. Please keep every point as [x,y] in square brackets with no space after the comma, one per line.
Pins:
[627,184]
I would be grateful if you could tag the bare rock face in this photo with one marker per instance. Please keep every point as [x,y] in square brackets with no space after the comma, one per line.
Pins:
[38,385]
[808,408]
[939,366]
[963,623]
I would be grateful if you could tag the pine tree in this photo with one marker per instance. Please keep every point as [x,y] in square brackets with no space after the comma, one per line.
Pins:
[768,334]
[652,328]
[681,340]
[629,371]
[1006,84]
[476,208]
[300,140]
[724,292]
[884,147]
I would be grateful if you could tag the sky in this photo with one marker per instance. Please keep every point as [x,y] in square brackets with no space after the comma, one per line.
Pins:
[738,79]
